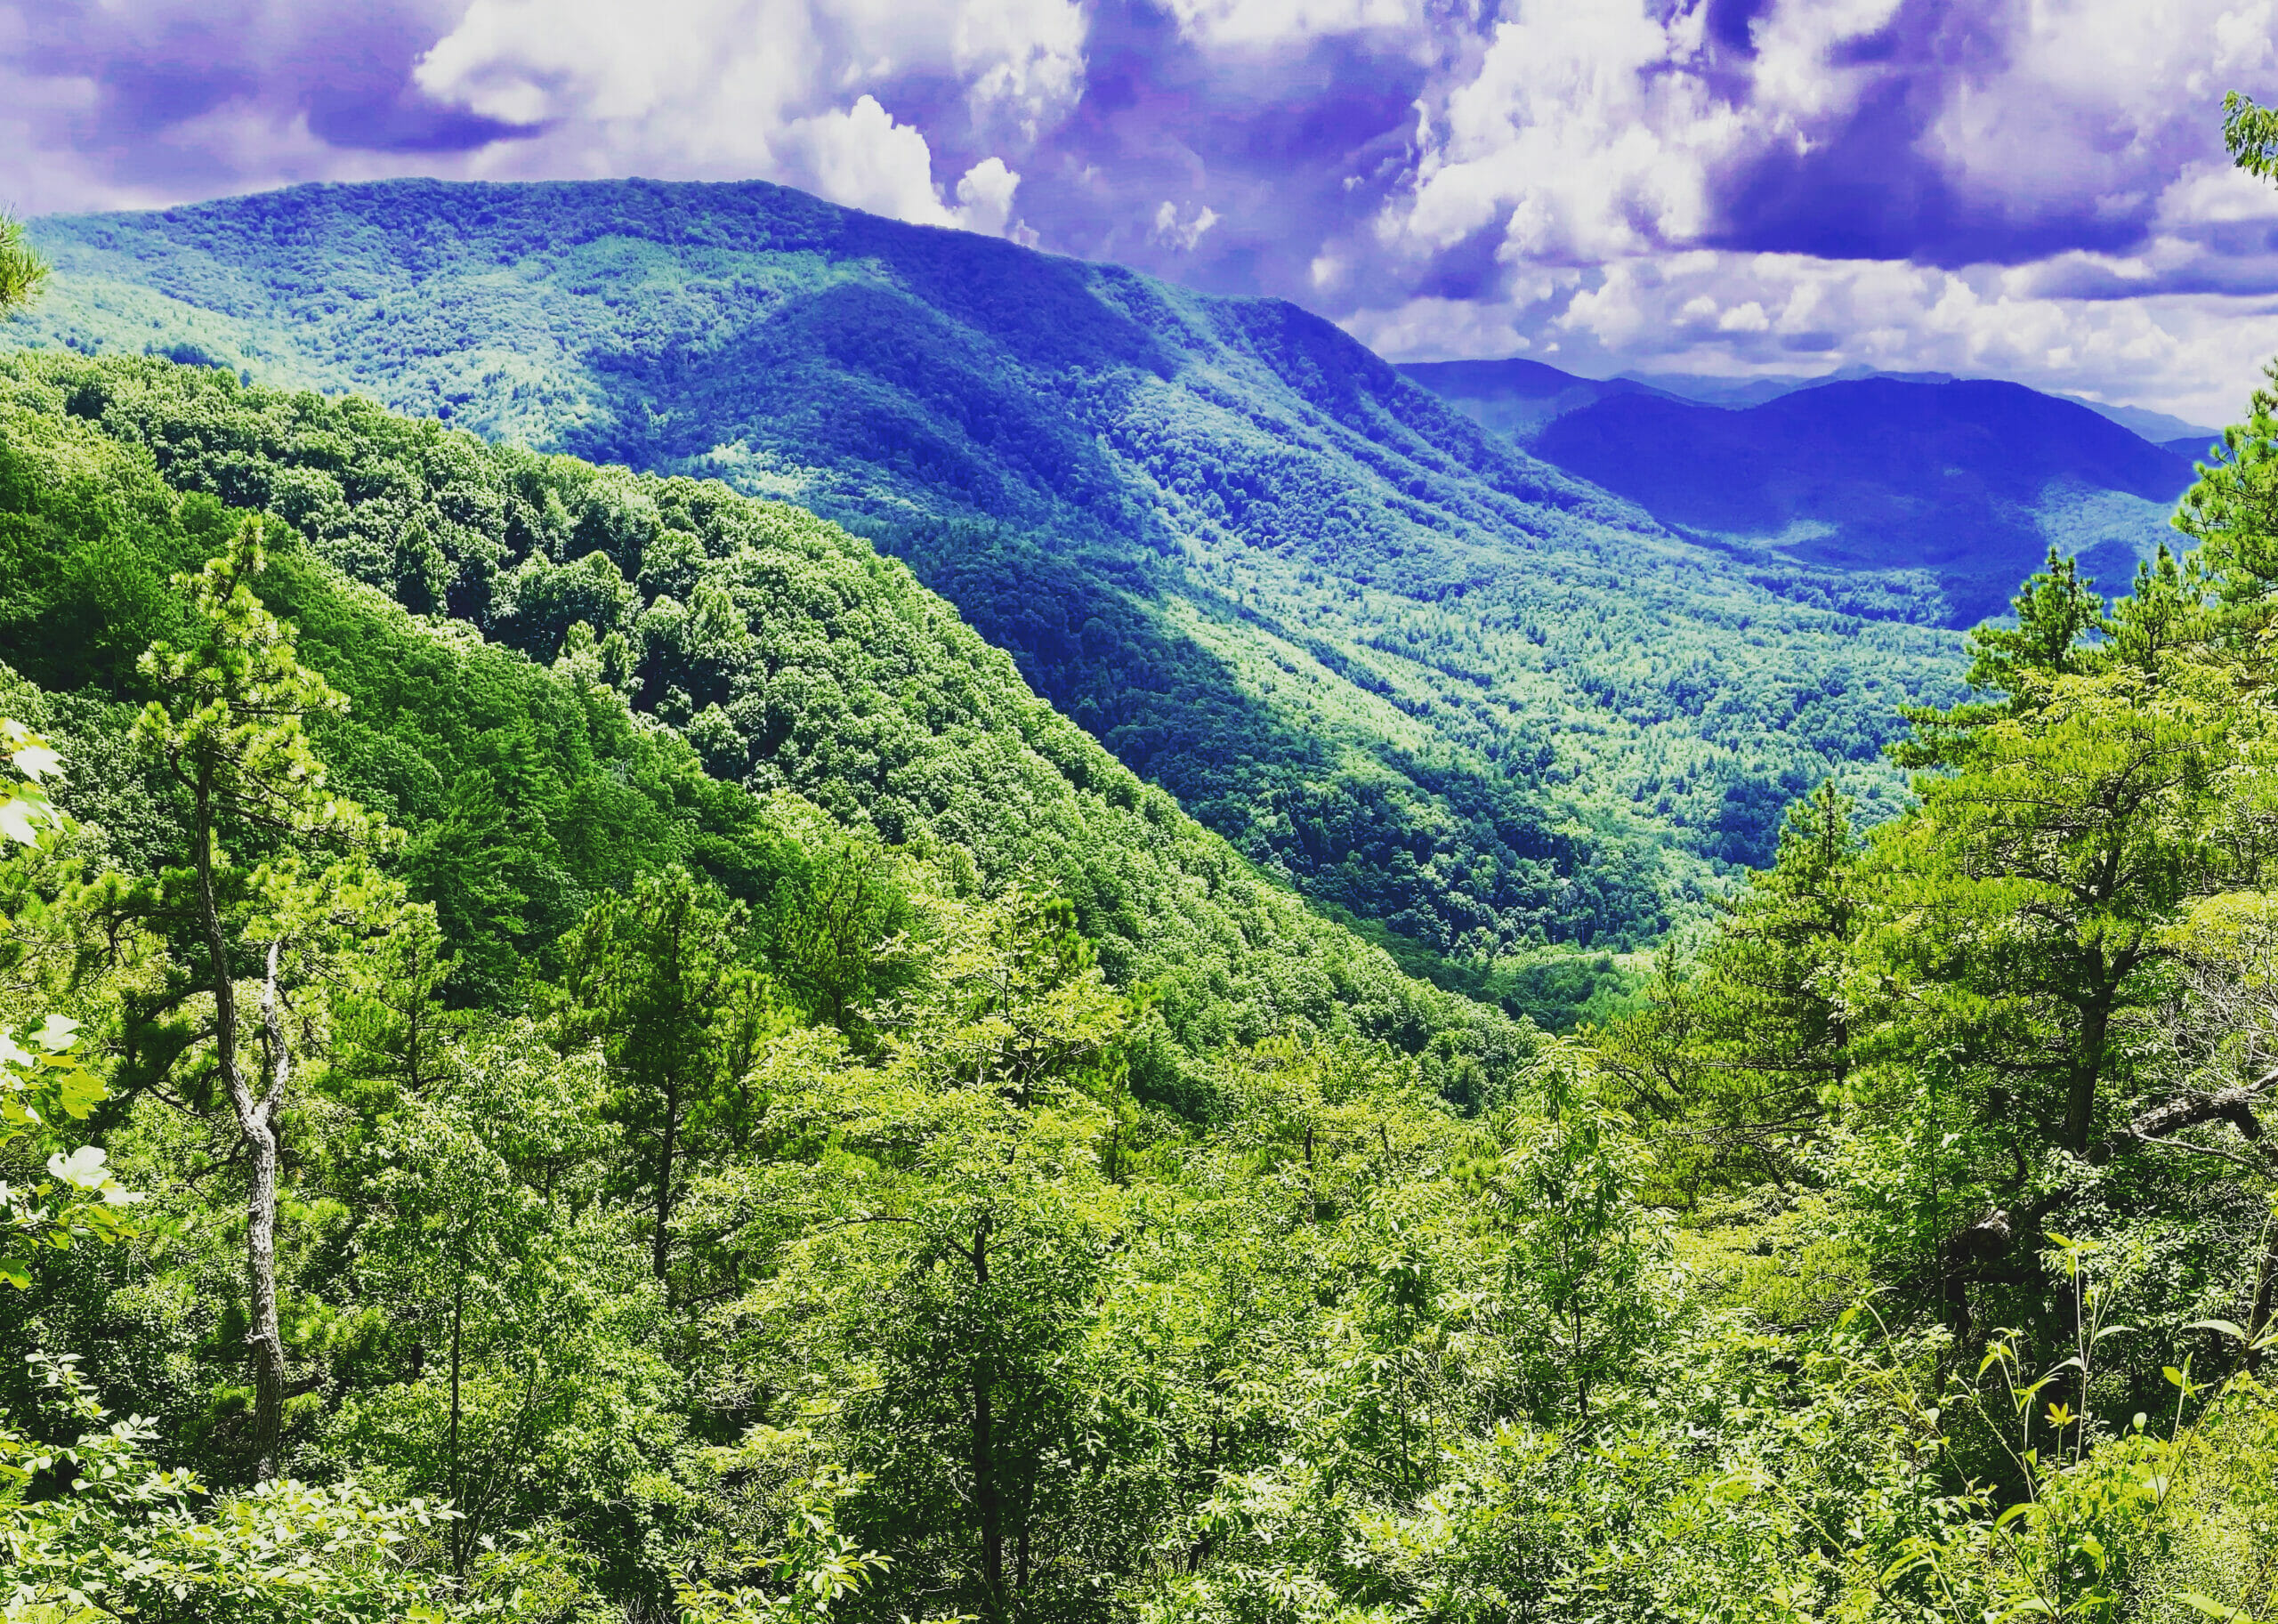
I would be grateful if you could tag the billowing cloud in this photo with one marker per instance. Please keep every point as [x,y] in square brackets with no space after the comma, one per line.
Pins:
[142,102]
[1711,311]
[2034,186]
[1172,230]
[788,88]
[106,102]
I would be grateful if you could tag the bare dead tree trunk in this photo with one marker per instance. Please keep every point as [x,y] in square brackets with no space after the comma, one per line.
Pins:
[257,1122]
[257,1128]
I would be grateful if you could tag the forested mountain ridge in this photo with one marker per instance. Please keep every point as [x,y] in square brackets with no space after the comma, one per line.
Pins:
[1432,681]
[1959,485]
[562,1186]
[816,666]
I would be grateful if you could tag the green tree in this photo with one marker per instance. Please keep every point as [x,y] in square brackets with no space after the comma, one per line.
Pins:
[1751,1046]
[2250,132]
[47,1085]
[131,1539]
[829,925]
[2027,904]
[2059,621]
[229,729]
[954,1242]
[982,1110]
[494,1258]
[663,978]
[22,273]
[1566,1196]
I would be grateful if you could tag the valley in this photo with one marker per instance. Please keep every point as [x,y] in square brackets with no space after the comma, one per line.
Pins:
[1418,674]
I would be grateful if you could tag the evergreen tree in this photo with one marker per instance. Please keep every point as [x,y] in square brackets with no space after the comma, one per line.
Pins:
[229,729]
[663,978]
[22,273]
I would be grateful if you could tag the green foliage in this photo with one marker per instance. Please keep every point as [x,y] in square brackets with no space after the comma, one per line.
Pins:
[126,1538]
[22,273]
[805,663]
[1567,1193]
[660,978]
[1421,675]
[815,1567]
[2250,132]
[931,1179]
[26,808]
[41,1089]
[47,1085]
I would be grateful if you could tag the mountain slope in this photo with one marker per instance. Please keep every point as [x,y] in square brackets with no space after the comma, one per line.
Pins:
[1434,681]
[1971,480]
[1515,398]
[862,693]
[1873,478]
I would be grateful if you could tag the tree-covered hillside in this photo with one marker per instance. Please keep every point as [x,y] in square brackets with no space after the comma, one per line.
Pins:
[462,1159]
[1932,493]
[1970,483]
[1515,399]
[1433,681]
[821,669]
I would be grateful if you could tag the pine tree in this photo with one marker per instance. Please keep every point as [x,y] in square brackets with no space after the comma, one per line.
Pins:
[22,273]
[229,729]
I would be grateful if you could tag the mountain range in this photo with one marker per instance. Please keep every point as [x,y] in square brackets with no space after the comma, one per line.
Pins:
[1971,480]
[1376,636]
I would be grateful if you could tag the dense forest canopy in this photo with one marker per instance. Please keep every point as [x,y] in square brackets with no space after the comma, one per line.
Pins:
[1436,684]
[464,1158]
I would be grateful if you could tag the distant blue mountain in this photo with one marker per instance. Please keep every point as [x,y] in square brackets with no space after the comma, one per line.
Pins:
[2159,427]
[1755,390]
[1518,399]
[1970,481]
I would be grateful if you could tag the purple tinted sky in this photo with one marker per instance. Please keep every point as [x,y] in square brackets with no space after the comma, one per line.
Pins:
[2024,188]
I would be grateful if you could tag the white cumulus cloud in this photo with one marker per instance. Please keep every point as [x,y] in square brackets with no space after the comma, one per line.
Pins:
[1584,132]
[1735,314]
[1174,229]
[861,157]
[782,89]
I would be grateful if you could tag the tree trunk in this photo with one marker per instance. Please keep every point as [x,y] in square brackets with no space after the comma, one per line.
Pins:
[2088,1066]
[660,1247]
[261,1270]
[258,1121]
[1581,1372]
[984,1491]
[458,1313]
[411,1037]
[984,1453]
[257,1126]
[2260,1304]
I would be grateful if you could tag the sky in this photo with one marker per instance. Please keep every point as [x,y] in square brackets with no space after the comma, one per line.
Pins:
[2025,189]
